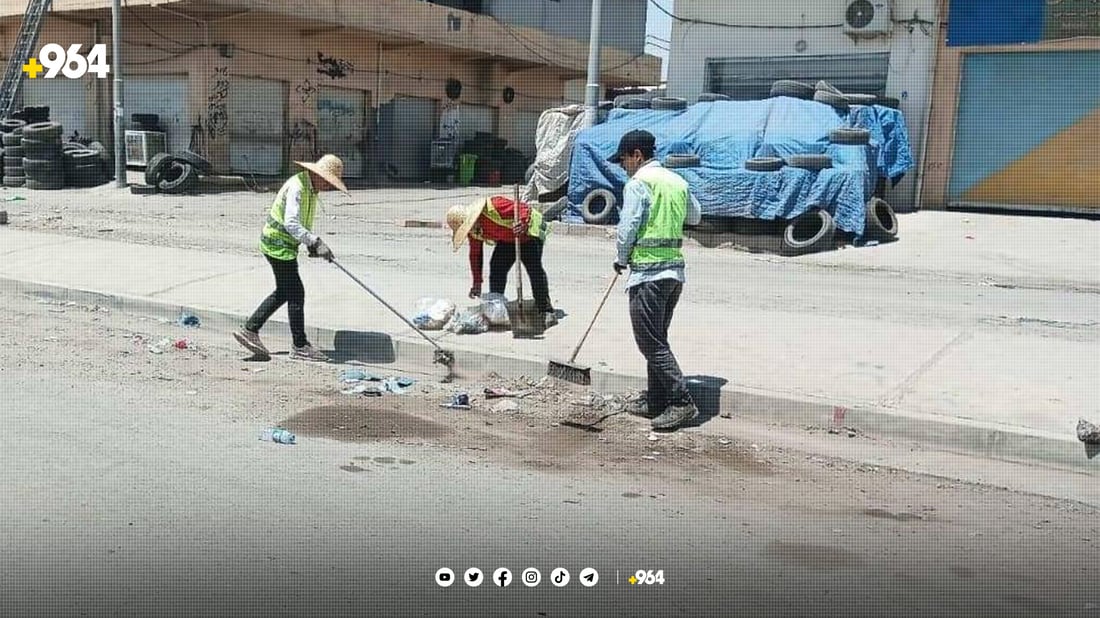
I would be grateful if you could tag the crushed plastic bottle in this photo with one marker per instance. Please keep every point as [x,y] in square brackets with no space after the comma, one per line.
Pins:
[277,435]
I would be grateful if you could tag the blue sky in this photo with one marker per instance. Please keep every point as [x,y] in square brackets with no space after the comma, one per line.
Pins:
[658,32]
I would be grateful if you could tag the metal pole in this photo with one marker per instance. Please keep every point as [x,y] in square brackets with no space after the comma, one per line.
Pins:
[592,89]
[119,114]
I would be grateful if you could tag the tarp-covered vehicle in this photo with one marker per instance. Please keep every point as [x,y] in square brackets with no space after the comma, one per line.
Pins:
[773,159]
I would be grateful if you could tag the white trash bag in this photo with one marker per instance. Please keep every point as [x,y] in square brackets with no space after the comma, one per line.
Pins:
[433,314]
[495,309]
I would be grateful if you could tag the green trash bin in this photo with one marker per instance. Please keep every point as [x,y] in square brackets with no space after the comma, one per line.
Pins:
[467,163]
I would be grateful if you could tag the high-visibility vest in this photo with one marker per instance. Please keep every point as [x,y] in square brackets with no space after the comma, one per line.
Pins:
[274,240]
[657,246]
[536,227]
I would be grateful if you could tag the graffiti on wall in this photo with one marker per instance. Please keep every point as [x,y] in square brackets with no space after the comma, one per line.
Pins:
[303,135]
[217,104]
[306,90]
[336,68]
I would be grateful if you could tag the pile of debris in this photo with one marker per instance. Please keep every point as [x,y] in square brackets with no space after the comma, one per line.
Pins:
[173,173]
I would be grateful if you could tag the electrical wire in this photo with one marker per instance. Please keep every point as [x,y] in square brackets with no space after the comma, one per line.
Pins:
[137,16]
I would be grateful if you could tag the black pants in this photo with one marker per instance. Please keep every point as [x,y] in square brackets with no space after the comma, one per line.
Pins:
[651,308]
[288,290]
[530,253]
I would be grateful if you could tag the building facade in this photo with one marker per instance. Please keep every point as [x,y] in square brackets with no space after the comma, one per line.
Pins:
[1016,107]
[255,85]
[740,48]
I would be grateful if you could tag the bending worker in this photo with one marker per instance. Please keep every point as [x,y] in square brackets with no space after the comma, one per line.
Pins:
[492,221]
[290,224]
[656,205]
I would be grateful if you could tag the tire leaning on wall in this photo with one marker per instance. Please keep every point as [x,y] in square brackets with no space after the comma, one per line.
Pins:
[881,221]
[590,210]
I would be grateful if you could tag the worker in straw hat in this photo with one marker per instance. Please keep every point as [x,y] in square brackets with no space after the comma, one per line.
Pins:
[492,221]
[290,224]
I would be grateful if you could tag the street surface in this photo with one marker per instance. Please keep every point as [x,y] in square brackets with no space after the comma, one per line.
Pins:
[134,484]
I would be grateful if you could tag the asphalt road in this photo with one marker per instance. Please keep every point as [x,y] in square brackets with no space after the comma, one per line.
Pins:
[134,484]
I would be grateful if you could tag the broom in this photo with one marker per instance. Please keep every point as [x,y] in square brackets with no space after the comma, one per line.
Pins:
[526,324]
[569,371]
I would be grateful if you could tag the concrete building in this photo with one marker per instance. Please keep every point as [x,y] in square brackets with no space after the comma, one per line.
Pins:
[740,48]
[1016,107]
[257,84]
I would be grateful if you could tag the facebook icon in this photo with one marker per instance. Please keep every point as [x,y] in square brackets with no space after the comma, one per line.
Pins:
[502,577]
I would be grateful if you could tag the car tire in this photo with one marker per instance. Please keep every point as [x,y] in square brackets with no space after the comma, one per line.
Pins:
[812,162]
[633,103]
[881,221]
[711,97]
[12,140]
[13,151]
[791,88]
[14,181]
[35,149]
[850,136]
[824,86]
[200,163]
[84,174]
[764,164]
[158,164]
[45,185]
[591,209]
[678,161]
[71,146]
[179,177]
[43,169]
[838,102]
[674,104]
[809,233]
[858,98]
[13,161]
[7,125]
[44,131]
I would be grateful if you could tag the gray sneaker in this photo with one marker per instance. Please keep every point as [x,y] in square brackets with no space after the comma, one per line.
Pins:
[251,342]
[309,353]
[675,416]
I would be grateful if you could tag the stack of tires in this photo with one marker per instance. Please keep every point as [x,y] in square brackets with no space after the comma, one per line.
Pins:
[12,131]
[175,173]
[42,162]
[85,166]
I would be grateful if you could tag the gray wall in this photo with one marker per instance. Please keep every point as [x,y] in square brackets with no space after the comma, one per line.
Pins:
[622,26]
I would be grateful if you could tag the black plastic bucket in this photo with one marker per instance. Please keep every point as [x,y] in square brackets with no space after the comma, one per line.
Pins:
[706,392]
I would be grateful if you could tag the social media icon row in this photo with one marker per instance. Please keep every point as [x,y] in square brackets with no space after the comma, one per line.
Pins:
[503,577]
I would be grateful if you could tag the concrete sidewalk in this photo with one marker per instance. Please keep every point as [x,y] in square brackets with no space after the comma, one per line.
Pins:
[879,339]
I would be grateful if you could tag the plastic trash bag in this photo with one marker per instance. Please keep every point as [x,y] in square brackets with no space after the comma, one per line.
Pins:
[433,314]
[495,309]
[468,322]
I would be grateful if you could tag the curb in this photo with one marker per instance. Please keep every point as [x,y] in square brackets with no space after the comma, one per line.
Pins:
[952,434]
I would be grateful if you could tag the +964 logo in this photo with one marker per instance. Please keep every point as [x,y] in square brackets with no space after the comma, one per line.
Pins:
[54,59]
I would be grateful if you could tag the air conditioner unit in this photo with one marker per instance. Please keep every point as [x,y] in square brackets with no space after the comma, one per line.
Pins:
[142,145]
[867,18]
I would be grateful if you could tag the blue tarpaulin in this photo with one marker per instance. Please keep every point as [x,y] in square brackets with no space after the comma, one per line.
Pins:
[726,133]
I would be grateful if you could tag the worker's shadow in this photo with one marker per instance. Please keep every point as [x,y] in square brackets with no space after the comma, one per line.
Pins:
[365,347]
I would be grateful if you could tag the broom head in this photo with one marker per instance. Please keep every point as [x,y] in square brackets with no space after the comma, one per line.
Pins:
[570,372]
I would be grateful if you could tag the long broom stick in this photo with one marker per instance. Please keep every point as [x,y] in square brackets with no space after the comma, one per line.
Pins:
[568,370]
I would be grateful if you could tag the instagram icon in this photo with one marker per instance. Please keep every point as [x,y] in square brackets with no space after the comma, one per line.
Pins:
[531,577]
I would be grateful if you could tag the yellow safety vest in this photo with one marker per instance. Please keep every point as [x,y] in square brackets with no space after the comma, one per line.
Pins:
[274,240]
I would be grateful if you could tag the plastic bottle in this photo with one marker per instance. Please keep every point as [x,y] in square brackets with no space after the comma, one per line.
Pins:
[277,435]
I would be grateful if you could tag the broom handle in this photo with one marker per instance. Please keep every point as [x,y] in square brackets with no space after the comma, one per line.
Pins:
[386,305]
[577,350]
[519,262]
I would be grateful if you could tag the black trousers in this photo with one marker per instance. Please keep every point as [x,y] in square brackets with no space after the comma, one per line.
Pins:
[288,290]
[530,254]
[651,307]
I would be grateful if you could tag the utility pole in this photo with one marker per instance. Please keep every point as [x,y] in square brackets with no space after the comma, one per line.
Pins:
[592,89]
[119,113]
